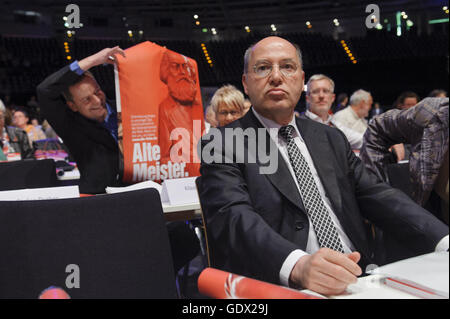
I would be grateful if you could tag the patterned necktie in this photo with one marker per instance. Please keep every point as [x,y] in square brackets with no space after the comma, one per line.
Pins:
[323,224]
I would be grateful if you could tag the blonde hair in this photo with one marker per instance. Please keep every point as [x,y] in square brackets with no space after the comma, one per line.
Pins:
[229,95]
[317,77]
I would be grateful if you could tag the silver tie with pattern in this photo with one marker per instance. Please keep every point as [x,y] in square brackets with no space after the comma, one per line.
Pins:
[323,224]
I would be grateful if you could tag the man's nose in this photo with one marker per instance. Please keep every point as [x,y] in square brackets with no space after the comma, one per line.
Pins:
[181,70]
[276,77]
[97,99]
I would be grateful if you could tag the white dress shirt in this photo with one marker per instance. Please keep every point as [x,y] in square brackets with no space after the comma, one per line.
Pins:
[354,138]
[313,243]
[348,118]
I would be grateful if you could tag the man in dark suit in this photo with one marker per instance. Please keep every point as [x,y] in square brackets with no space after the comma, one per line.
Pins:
[86,121]
[303,225]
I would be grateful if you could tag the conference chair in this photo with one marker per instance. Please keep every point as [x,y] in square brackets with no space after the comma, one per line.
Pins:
[112,246]
[27,174]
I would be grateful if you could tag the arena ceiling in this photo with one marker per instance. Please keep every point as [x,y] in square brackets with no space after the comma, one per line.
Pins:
[220,14]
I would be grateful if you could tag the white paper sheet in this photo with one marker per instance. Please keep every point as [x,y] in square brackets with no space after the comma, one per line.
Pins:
[41,193]
[430,270]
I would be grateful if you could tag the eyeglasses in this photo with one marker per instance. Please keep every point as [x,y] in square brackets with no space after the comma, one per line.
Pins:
[225,113]
[317,92]
[264,69]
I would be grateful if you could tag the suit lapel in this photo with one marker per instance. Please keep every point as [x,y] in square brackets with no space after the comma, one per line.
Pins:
[324,159]
[95,131]
[282,179]
[319,148]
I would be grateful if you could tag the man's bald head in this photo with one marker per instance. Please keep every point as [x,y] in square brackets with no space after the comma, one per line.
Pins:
[249,51]
[273,78]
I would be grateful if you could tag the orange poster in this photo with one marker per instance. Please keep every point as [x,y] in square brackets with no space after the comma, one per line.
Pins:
[160,113]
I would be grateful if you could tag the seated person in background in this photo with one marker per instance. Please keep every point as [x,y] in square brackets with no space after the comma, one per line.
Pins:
[319,99]
[438,93]
[377,110]
[405,101]
[228,104]
[302,223]
[35,122]
[425,127]
[13,140]
[353,116]
[77,109]
[341,102]
[21,120]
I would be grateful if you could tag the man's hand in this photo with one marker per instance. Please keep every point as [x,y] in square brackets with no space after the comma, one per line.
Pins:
[107,55]
[327,271]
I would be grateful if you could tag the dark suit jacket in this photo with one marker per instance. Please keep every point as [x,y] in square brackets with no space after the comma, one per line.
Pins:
[255,221]
[90,143]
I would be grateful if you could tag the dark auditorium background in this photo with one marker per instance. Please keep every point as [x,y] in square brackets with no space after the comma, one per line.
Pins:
[407,51]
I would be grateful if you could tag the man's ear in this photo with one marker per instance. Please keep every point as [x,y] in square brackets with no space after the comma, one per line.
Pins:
[307,98]
[72,106]
[244,83]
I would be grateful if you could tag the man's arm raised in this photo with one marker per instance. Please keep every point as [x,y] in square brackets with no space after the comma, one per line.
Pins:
[107,55]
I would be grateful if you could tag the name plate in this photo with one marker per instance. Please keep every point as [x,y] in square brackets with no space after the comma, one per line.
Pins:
[179,191]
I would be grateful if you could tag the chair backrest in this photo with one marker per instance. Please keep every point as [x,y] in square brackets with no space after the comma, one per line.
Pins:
[27,174]
[208,252]
[118,242]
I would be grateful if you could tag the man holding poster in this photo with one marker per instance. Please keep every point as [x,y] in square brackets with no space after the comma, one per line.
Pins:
[86,120]
[88,124]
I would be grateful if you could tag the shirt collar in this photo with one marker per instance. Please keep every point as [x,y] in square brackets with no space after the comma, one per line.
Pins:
[274,127]
[108,109]
[353,113]
[317,118]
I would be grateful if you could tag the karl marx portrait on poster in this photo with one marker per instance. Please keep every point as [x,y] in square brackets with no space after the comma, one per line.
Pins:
[179,109]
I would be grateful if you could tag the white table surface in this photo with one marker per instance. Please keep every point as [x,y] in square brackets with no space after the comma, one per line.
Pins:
[369,287]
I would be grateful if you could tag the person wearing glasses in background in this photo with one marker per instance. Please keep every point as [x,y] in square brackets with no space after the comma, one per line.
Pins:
[319,99]
[228,104]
